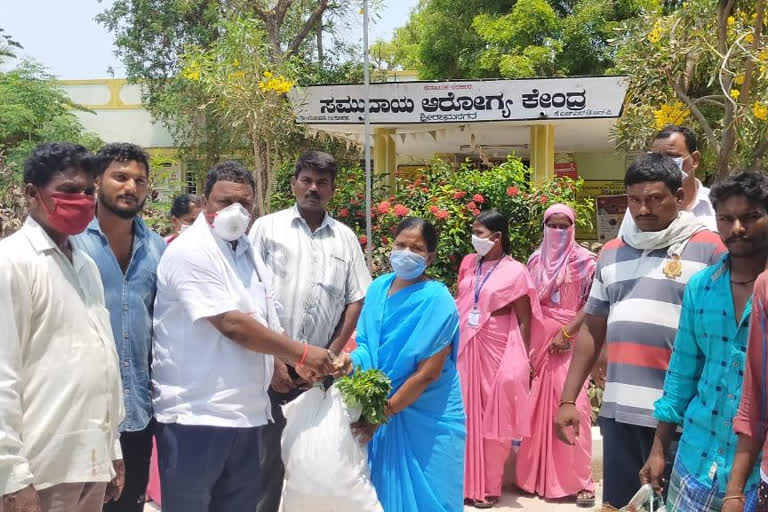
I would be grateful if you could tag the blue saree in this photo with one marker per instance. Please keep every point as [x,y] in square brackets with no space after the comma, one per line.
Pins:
[417,458]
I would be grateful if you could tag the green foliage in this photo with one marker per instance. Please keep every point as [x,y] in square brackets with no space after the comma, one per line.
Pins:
[33,110]
[368,389]
[8,45]
[450,199]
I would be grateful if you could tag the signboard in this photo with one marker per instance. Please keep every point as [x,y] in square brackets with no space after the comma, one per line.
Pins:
[610,212]
[591,190]
[463,102]
[567,170]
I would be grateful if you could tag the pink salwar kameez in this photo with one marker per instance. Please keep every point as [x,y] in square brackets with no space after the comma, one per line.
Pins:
[494,370]
[545,465]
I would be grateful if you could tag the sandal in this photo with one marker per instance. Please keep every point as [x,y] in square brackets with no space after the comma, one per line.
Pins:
[585,499]
[490,502]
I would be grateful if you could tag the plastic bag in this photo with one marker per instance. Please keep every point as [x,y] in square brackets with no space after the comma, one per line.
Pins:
[326,467]
[645,500]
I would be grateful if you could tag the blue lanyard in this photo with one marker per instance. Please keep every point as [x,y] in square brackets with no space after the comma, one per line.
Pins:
[480,283]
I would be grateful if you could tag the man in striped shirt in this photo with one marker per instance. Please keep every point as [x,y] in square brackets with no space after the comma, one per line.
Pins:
[320,279]
[634,309]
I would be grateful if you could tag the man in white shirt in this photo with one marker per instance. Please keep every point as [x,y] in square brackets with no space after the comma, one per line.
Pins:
[320,281]
[216,331]
[680,144]
[60,392]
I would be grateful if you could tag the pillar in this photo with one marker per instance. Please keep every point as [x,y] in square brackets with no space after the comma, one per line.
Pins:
[384,154]
[542,149]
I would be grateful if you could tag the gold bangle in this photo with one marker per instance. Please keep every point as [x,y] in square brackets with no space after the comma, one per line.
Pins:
[569,402]
[565,333]
[740,497]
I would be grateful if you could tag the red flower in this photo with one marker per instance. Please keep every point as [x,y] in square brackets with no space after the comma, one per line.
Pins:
[476,211]
[543,199]
[383,207]
[478,198]
[401,211]
[384,240]
[442,214]
[343,212]
[434,209]
[359,214]
[512,191]
[363,240]
[471,205]
[425,190]
[459,194]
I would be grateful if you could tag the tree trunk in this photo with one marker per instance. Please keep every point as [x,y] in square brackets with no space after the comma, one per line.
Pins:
[258,170]
[270,177]
[320,53]
[728,138]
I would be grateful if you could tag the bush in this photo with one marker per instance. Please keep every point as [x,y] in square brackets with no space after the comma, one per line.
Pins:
[450,199]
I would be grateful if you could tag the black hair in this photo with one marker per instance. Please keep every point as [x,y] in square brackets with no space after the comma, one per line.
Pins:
[120,152]
[317,161]
[428,231]
[691,141]
[181,204]
[654,167]
[51,158]
[228,171]
[750,184]
[496,222]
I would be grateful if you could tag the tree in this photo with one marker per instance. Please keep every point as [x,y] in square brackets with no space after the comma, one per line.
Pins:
[706,64]
[33,110]
[8,45]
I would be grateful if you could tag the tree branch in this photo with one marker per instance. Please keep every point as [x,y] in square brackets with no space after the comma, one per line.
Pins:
[760,151]
[293,47]
[281,10]
[749,66]
[708,131]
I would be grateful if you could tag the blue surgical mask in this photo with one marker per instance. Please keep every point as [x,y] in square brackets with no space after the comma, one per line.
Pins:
[407,265]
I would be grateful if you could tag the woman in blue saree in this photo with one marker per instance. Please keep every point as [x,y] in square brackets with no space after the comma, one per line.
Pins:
[409,329]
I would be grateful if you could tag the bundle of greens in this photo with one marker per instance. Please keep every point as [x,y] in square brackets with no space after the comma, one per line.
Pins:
[368,389]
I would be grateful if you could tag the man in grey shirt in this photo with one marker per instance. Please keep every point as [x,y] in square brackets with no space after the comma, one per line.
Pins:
[319,280]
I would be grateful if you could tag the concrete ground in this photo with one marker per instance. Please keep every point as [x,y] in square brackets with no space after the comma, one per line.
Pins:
[514,500]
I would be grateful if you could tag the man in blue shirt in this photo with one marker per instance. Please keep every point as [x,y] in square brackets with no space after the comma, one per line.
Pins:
[703,384]
[127,254]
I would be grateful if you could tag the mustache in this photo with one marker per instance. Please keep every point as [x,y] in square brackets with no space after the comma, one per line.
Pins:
[128,196]
[738,239]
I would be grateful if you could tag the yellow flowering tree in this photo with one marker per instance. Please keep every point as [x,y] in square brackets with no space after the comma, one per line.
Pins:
[704,64]
[245,90]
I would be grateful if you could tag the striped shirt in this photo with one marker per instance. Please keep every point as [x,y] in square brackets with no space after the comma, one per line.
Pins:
[642,306]
[315,275]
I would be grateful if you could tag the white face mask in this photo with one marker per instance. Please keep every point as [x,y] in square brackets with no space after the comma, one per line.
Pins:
[231,223]
[679,161]
[482,245]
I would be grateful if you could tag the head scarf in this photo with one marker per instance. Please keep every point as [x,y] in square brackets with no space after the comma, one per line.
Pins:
[557,253]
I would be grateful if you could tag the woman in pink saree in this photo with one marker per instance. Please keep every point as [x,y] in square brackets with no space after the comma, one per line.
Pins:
[497,305]
[562,272]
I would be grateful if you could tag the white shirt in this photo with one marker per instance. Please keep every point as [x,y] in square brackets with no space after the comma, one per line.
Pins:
[702,209]
[60,393]
[315,275]
[199,376]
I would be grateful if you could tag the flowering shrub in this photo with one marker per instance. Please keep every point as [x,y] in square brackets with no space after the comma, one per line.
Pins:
[451,199]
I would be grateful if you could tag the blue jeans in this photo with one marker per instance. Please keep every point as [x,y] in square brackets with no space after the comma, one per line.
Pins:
[208,469]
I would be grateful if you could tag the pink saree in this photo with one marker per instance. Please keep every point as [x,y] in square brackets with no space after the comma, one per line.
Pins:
[545,465]
[494,371]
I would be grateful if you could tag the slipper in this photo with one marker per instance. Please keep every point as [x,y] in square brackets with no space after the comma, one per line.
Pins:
[585,499]
[489,502]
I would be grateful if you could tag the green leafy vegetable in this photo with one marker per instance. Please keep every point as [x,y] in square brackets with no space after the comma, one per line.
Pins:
[368,389]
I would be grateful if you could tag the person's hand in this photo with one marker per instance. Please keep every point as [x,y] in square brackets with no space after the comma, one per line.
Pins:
[342,365]
[317,364]
[364,431]
[559,343]
[567,418]
[25,500]
[115,487]
[281,379]
[733,505]
[600,369]
[653,471]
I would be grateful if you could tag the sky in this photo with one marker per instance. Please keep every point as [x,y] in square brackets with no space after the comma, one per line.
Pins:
[63,35]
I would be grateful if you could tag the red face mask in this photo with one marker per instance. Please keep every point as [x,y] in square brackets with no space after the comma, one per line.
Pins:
[71,212]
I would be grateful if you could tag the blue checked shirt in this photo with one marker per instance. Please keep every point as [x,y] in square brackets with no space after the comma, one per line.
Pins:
[703,384]
[130,300]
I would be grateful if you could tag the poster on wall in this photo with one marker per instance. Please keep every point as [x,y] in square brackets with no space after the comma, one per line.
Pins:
[610,211]
[591,190]
[567,170]
[463,101]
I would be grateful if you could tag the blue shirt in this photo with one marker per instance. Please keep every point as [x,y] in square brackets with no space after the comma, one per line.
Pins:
[703,384]
[130,300]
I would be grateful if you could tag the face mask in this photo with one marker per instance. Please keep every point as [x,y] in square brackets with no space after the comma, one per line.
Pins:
[482,245]
[71,213]
[679,161]
[231,223]
[406,264]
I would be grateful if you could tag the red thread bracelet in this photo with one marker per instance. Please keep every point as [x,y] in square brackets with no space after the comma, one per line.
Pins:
[303,356]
